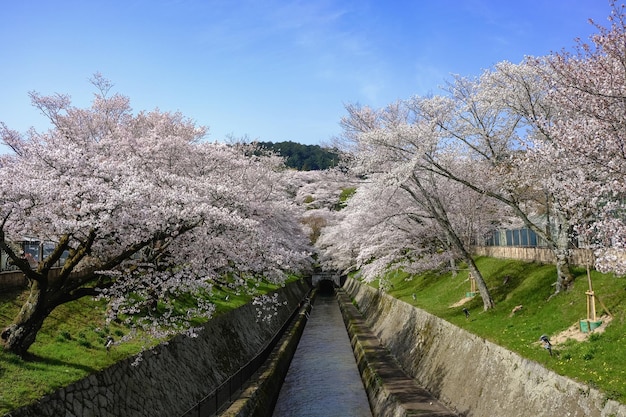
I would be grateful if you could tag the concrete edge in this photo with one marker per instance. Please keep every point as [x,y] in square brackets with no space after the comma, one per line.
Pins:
[471,374]
[390,391]
[259,397]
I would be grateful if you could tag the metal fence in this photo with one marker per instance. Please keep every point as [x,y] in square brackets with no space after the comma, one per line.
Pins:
[523,237]
[230,389]
[31,249]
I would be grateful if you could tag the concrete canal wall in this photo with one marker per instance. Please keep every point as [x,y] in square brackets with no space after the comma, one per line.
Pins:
[259,396]
[471,375]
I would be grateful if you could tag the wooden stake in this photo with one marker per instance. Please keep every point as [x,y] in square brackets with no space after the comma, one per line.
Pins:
[603,306]
[591,306]
[593,294]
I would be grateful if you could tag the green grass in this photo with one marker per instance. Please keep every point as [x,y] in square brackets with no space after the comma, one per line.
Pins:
[71,344]
[599,361]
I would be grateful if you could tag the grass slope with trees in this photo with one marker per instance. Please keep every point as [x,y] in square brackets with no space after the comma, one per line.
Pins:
[71,344]
[599,361]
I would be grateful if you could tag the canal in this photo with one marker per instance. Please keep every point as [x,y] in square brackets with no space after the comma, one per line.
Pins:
[323,379]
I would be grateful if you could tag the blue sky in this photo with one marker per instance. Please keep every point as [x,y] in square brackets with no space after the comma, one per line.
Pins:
[269,70]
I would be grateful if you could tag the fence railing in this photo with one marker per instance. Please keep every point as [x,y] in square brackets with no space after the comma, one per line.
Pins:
[230,389]
[31,250]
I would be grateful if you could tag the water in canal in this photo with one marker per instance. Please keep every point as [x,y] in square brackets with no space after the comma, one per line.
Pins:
[323,379]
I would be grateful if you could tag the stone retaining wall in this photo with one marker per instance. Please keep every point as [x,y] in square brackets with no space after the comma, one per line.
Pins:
[173,377]
[259,397]
[469,374]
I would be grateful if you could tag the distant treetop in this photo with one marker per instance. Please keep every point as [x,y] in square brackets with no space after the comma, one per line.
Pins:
[304,157]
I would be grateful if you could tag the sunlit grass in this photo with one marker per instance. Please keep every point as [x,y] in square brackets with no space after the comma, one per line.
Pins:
[599,362]
[71,344]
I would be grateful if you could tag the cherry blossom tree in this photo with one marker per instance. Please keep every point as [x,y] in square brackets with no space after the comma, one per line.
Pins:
[484,135]
[395,147]
[142,209]
[335,247]
[588,136]
[322,188]
[321,194]
[494,120]
[380,231]
[545,138]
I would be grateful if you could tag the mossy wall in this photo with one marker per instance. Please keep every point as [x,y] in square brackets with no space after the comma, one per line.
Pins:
[261,394]
[469,374]
[173,377]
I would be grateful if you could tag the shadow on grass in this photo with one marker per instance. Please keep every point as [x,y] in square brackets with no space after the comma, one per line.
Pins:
[36,362]
[60,363]
[508,282]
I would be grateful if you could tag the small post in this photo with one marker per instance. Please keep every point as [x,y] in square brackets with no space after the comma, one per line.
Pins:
[591,306]
[591,299]
[591,322]
[472,292]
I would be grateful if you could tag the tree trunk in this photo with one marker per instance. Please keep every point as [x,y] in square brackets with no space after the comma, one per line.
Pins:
[485,294]
[565,278]
[453,267]
[20,335]
[488,302]
[437,209]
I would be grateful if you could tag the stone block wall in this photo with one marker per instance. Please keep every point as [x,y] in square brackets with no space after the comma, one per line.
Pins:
[469,374]
[173,377]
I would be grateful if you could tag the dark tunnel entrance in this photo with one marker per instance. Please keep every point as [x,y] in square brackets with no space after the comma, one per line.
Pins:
[326,287]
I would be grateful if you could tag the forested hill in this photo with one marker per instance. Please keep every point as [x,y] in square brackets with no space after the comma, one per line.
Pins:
[304,157]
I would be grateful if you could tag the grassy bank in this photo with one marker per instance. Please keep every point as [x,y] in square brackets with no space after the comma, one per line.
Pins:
[71,345]
[599,361]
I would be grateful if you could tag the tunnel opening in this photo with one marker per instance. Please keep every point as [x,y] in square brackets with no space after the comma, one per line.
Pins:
[326,287]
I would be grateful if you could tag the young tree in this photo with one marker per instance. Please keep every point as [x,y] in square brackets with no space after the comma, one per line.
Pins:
[138,204]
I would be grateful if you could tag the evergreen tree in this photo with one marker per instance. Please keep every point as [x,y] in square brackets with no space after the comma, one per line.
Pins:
[304,157]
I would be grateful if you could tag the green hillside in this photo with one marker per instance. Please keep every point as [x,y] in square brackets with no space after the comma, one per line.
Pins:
[599,360]
[71,344]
